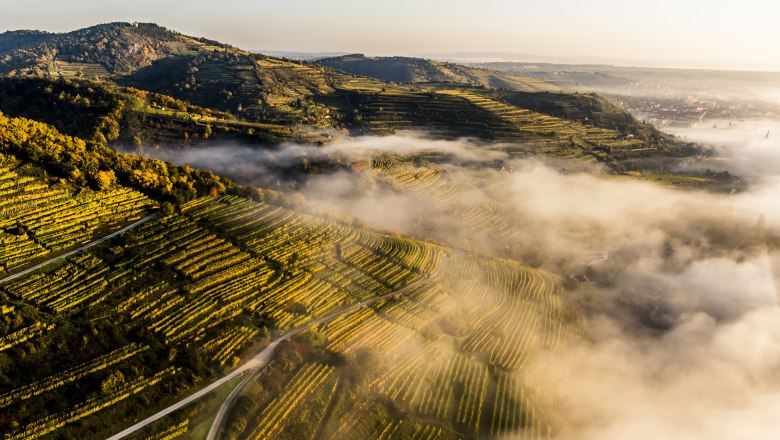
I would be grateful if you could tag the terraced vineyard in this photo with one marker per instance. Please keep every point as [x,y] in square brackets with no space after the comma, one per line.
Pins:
[480,210]
[316,96]
[205,282]
[449,361]
[38,216]
[537,126]
[418,70]
[460,111]
[391,111]
[106,335]
[209,280]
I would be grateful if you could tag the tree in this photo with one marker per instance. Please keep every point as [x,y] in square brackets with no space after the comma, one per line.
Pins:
[99,138]
[105,180]
[112,383]
[110,128]
[167,208]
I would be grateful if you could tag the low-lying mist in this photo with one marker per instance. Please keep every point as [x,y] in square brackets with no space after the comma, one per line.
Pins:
[281,166]
[679,287]
[747,147]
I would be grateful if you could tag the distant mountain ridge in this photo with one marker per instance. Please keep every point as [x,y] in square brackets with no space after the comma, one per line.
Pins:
[299,56]
[419,70]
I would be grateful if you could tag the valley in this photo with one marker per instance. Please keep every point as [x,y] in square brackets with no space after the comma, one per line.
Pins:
[199,241]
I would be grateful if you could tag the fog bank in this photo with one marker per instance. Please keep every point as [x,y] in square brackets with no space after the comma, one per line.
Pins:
[677,286]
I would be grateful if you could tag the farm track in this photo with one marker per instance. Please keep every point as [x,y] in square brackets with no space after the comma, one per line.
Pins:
[254,364]
[76,251]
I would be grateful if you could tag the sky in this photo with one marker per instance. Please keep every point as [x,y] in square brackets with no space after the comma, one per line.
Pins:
[679,33]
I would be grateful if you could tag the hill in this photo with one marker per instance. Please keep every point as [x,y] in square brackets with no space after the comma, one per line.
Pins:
[419,70]
[100,338]
[150,57]
[106,112]
[88,163]
[13,40]
[128,283]
[185,87]
[98,51]
[129,117]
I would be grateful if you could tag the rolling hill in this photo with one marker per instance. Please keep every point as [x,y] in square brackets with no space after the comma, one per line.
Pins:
[197,83]
[419,70]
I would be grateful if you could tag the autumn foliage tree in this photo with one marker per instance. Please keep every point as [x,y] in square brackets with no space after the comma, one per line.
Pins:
[97,165]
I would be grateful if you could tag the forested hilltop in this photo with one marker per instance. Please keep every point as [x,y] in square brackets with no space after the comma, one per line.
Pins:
[93,164]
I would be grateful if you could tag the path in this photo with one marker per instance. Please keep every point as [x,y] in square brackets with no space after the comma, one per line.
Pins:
[255,363]
[76,251]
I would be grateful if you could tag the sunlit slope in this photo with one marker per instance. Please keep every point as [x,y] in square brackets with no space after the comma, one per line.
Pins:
[173,301]
[182,295]
[40,216]
[97,340]
[253,87]
[445,360]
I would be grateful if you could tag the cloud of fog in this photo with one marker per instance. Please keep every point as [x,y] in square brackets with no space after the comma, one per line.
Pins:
[686,336]
[711,372]
[728,87]
[702,379]
[408,143]
[750,148]
[274,166]
[677,285]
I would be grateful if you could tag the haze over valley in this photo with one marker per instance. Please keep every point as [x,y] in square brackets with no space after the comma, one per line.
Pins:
[203,241]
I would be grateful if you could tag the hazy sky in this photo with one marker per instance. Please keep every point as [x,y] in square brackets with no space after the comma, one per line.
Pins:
[729,34]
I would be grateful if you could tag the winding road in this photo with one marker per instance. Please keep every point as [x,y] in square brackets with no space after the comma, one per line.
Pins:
[76,251]
[225,407]
[255,363]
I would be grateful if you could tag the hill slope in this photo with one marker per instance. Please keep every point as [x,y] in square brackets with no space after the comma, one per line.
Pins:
[109,334]
[185,89]
[419,70]
[102,50]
